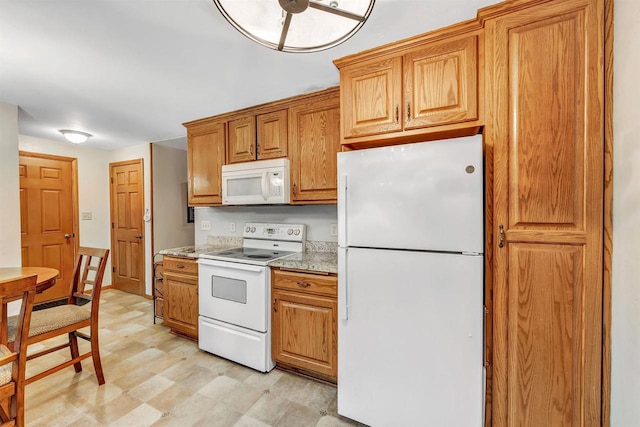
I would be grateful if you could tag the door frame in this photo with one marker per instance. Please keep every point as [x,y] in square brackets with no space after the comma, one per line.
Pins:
[143,278]
[74,193]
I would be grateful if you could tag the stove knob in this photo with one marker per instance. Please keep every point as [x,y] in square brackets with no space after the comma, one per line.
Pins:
[253,229]
[248,229]
[290,231]
[296,232]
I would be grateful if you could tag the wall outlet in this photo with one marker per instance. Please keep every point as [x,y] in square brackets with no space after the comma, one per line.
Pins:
[205,225]
[232,227]
[333,229]
[85,216]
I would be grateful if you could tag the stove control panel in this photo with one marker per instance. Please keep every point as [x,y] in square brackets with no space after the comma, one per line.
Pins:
[267,231]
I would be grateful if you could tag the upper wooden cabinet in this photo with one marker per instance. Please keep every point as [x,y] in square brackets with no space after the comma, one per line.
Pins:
[441,84]
[205,157]
[305,128]
[314,144]
[372,97]
[417,91]
[272,135]
[241,143]
[257,137]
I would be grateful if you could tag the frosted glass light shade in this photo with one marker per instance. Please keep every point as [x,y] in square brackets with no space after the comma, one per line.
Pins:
[75,136]
[296,25]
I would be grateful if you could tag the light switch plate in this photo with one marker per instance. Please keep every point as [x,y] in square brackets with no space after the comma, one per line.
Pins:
[85,216]
[333,230]
[232,227]
[205,225]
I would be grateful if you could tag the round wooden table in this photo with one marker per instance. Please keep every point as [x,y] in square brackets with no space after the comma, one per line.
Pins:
[46,276]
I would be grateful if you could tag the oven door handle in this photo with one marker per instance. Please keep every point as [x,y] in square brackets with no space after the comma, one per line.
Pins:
[236,266]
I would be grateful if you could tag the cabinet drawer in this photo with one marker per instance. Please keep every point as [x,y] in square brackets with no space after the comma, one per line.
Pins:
[301,282]
[180,265]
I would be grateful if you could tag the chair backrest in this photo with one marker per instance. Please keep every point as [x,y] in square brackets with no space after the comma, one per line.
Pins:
[86,282]
[16,289]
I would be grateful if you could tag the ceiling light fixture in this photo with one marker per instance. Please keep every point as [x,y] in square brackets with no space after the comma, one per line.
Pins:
[296,25]
[75,136]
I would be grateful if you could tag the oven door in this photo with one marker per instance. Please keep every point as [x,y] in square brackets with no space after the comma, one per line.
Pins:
[234,293]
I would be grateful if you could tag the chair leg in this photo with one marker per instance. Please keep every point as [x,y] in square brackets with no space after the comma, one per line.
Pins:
[95,353]
[19,408]
[75,353]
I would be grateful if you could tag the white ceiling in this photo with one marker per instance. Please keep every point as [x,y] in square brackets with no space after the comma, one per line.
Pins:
[132,71]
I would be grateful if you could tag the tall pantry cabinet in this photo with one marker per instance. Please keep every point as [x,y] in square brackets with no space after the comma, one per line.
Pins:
[545,124]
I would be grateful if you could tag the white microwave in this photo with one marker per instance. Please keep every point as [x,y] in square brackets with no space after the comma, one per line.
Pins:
[263,182]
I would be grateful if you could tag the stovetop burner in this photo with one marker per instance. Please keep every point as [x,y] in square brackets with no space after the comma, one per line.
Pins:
[247,255]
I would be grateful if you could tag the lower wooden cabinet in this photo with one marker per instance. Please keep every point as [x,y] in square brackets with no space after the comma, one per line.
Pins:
[304,323]
[181,295]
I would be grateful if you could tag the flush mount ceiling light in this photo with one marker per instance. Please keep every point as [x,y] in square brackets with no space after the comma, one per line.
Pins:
[296,25]
[75,136]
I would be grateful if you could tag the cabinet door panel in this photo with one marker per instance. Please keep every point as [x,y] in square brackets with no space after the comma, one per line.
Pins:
[205,157]
[545,319]
[181,303]
[440,84]
[315,142]
[305,332]
[272,135]
[371,96]
[241,145]
[546,106]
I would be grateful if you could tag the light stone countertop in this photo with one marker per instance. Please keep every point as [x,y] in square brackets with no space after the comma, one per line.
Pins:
[318,256]
[214,243]
[326,262]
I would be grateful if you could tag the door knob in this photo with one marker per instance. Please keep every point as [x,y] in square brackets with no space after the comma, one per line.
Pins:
[139,236]
[68,236]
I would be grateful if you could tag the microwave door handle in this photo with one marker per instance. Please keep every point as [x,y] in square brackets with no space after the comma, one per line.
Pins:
[265,185]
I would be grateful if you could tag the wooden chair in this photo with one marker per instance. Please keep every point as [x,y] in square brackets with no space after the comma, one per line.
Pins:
[70,318]
[13,363]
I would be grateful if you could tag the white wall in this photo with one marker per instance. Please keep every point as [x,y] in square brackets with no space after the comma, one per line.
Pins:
[625,334]
[10,252]
[318,219]
[170,226]
[141,151]
[93,189]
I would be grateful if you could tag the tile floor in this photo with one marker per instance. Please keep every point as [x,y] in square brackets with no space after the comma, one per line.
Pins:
[154,378]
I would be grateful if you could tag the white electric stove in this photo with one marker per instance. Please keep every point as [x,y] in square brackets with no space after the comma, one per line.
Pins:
[234,290]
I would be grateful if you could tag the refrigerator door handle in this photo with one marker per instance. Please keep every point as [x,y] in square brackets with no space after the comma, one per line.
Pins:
[343,294]
[342,210]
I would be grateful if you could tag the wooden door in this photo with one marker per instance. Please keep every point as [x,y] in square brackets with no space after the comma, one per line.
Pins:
[440,84]
[546,81]
[372,97]
[127,226]
[49,217]
[241,145]
[205,157]
[314,145]
[305,332]
[272,135]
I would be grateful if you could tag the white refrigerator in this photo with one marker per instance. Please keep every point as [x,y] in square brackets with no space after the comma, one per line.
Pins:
[410,283]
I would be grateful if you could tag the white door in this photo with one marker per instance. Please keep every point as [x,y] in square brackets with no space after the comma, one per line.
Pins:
[411,340]
[234,293]
[425,196]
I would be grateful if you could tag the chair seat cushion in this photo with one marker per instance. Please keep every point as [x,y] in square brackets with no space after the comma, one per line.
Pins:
[5,370]
[50,319]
